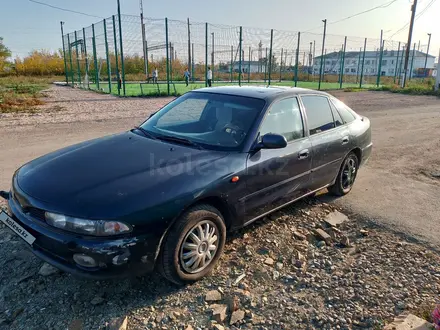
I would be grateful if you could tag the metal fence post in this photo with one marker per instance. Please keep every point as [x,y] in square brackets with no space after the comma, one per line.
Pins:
[95,58]
[206,54]
[322,57]
[363,61]
[70,60]
[249,65]
[171,61]
[77,59]
[240,56]
[380,63]
[359,65]
[232,60]
[412,61]
[107,58]
[397,63]
[116,55]
[297,59]
[401,63]
[87,59]
[121,49]
[167,54]
[270,54]
[343,62]
[265,67]
[64,53]
[281,62]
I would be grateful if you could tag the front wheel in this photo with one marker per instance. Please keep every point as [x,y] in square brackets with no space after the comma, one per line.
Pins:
[193,245]
[346,176]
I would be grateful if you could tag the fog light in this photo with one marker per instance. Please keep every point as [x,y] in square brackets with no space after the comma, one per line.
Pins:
[84,260]
[121,259]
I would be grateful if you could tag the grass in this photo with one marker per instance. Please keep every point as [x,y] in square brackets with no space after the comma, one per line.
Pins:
[20,93]
[179,88]
[414,87]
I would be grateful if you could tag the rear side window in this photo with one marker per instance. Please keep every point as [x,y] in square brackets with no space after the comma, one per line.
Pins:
[344,111]
[337,117]
[319,113]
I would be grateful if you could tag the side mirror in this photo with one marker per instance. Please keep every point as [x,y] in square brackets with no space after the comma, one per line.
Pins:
[272,141]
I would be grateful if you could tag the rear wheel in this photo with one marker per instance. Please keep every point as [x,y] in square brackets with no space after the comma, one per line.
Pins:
[193,245]
[346,176]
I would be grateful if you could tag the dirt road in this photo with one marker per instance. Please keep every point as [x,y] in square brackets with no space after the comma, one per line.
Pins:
[395,188]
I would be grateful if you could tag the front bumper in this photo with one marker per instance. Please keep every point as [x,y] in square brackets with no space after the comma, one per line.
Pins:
[115,257]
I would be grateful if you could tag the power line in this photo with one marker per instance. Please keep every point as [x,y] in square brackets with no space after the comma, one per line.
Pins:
[417,17]
[384,5]
[64,9]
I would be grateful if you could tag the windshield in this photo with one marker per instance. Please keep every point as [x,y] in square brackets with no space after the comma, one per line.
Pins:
[216,121]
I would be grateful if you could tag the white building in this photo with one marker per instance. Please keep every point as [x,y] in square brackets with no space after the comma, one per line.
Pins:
[391,60]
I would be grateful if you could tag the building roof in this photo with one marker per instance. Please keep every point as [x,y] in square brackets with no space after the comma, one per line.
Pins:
[370,53]
[260,92]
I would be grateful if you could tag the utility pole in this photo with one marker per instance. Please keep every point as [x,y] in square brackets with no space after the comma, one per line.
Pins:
[144,42]
[322,53]
[427,53]
[408,48]
[310,61]
[189,48]
[64,52]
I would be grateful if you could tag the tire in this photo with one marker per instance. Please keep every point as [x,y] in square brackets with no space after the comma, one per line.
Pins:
[344,182]
[180,247]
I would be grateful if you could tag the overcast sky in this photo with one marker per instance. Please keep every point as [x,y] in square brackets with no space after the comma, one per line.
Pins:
[25,25]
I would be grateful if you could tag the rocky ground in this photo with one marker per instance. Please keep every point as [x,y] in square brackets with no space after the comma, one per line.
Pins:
[293,270]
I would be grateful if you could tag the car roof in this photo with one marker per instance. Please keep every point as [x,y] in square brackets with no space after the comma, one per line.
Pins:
[260,92]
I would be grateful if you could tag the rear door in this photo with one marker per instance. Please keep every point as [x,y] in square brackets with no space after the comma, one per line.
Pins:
[276,176]
[329,137]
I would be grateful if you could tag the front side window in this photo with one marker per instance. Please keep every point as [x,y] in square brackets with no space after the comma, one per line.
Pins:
[319,113]
[213,121]
[284,118]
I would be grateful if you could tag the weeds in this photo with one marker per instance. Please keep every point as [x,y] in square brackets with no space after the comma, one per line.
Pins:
[19,93]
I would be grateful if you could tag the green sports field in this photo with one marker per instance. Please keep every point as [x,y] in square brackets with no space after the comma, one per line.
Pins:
[179,88]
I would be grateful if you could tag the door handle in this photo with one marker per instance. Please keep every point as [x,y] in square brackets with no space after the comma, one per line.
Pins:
[345,140]
[303,154]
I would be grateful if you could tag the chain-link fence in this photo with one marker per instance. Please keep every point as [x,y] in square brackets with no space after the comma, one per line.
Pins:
[130,57]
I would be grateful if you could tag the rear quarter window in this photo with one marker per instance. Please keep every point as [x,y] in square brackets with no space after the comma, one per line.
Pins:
[343,110]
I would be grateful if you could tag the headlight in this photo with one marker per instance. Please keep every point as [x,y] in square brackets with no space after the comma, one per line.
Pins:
[87,227]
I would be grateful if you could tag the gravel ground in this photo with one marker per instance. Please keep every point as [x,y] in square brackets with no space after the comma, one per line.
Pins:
[275,274]
[362,278]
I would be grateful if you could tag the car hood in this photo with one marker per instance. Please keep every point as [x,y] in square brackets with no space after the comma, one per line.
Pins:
[107,175]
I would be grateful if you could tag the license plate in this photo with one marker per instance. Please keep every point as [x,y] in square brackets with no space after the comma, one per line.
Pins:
[19,230]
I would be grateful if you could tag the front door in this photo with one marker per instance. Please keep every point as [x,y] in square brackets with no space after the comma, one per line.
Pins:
[276,176]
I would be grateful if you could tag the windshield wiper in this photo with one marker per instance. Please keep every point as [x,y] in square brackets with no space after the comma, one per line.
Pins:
[179,140]
[145,132]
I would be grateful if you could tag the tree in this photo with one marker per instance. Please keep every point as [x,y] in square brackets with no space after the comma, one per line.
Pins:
[5,53]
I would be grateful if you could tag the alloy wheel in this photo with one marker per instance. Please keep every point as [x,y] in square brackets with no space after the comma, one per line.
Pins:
[349,173]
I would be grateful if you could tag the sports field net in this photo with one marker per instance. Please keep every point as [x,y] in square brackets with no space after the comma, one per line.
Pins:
[117,56]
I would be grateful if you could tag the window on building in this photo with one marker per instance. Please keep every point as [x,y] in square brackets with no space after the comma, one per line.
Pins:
[334,62]
[354,62]
[391,71]
[373,62]
[392,61]
[319,113]
[353,70]
[347,70]
[392,53]
[384,62]
[327,62]
[367,62]
[284,117]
